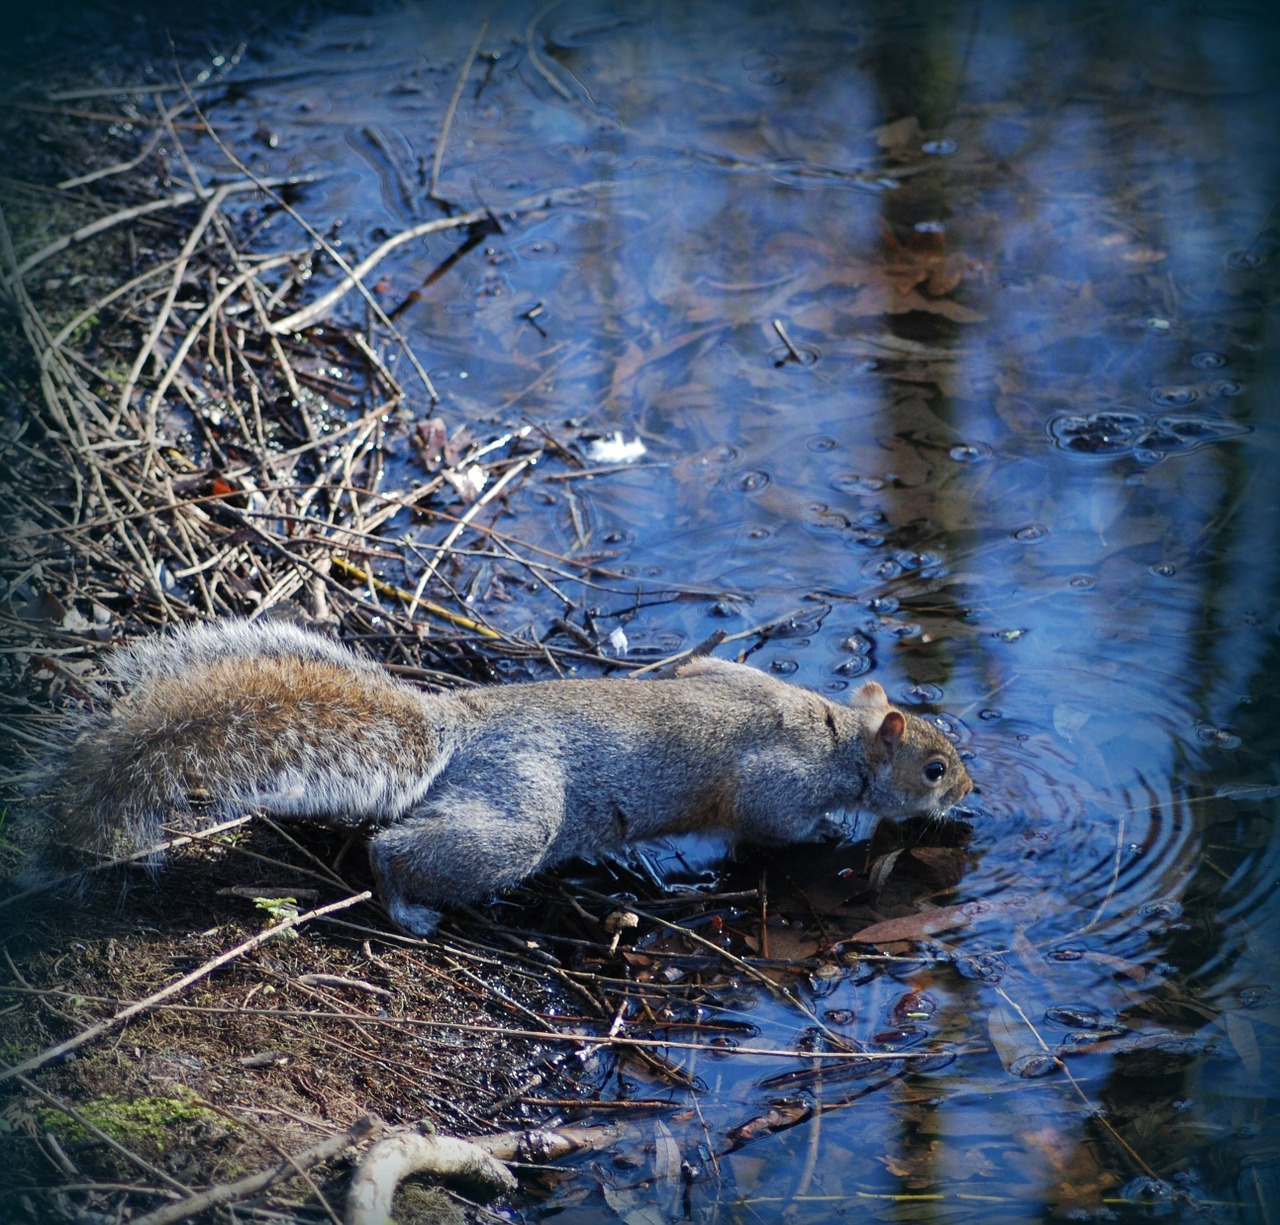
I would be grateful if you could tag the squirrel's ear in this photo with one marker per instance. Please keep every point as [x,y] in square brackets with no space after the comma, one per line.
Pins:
[891,730]
[870,694]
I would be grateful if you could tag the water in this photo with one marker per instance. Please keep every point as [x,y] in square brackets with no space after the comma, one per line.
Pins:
[1013,452]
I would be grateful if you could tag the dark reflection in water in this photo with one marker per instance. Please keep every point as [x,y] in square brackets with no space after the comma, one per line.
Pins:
[947,331]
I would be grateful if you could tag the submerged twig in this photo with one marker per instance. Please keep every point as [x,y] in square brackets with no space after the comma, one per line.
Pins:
[463,73]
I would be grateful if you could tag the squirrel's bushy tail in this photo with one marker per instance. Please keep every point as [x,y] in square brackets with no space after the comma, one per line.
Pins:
[196,725]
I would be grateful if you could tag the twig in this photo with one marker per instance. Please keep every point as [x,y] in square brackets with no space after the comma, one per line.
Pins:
[792,351]
[162,315]
[143,210]
[452,107]
[174,988]
[1101,1117]
[233,1192]
[326,246]
[436,610]
[146,853]
[474,509]
[530,40]
[354,277]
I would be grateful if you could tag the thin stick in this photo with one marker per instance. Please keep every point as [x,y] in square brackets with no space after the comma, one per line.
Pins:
[795,353]
[458,528]
[354,278]
[333,253]
[436,610]
[168,845]
[453,106]
[530,35]
[177,200]
[174,988]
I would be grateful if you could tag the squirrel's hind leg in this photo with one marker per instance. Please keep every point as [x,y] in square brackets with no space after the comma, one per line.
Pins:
[457,850]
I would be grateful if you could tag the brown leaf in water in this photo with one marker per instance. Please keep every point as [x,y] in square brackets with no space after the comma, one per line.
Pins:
[900,139]
[928,923]
[781,1115]
[915,275]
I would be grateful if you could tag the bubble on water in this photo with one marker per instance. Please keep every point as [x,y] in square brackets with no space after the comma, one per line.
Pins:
[1208,360]
[1158,324]
[1146,1190]
[759,533]
[1010,635]
[884,605]
[725,608]
[918,561]
[1068,953]
[1031,533]
[989,714]
[1216,737]
[836,686]
[1174,397]
[867,540]
[1149,440]
[922,694]
[864,365]
[1082,582]
[858,644]
[1254,997]
[537,248]
[1070,1016]
[1224,389]
[1160,908]
[1163,569]
[904,630]
[840,1016]
[881,568]
[1245,259]
[982,967]
[852,482]
[819,515]
[1038,1063]
[873,517]
[783,667]
[794,355]
[855,665]
[753,482]
[971,453]
[821,442]
[944,146]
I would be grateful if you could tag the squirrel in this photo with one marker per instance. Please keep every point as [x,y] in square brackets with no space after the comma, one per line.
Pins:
[467,792]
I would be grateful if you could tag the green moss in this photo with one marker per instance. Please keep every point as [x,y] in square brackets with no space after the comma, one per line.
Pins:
[149,1123]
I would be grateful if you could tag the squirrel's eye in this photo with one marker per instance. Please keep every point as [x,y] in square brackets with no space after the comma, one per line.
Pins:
[935,771]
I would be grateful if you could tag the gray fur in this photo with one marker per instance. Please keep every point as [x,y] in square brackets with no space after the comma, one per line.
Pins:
[467,793]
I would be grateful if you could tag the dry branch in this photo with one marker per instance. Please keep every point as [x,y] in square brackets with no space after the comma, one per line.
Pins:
[235,1192]
[393,1159]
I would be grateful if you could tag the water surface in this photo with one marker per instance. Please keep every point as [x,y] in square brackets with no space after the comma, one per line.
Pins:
[1012,453]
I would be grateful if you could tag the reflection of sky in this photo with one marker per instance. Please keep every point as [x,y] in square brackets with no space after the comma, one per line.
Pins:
[1106,169]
